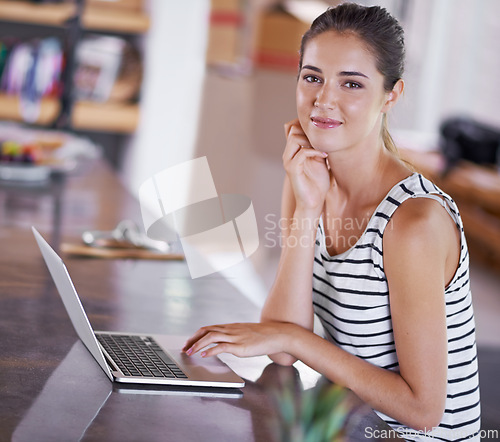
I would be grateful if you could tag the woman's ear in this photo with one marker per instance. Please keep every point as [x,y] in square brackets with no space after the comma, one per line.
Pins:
[393,96]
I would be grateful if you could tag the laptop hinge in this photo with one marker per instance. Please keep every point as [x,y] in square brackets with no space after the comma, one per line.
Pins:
[112,366]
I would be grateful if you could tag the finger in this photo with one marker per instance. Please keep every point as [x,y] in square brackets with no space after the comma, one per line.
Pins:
[295,135]
[211,337]
[294,144]
[302,156]
[296,138]
[225,347]
[296,130]
[199,334]
[305,153]
[189,343]
[205,343]
[288,126]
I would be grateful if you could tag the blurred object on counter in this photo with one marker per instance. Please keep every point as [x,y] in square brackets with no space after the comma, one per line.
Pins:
[33,155]
[125,241]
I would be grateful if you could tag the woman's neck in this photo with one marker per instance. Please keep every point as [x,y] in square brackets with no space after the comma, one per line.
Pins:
[364,167]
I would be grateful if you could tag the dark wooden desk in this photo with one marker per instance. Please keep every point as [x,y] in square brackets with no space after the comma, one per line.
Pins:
[50,387]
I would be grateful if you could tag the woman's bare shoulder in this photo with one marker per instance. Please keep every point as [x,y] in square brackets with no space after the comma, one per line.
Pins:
[421,229]
[419,218]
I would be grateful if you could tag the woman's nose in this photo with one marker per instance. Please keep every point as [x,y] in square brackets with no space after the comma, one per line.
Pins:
[326,98]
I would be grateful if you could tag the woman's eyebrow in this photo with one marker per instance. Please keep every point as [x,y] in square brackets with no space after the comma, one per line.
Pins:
[341,73]
[312,68]
[352,74]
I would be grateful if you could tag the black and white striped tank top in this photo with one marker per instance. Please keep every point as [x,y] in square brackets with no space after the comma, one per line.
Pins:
[351,299]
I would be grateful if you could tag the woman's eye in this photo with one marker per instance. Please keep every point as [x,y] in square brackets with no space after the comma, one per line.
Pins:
[353,85]
[311,79]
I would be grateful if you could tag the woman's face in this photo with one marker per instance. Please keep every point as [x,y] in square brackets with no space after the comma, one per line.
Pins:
[340,93]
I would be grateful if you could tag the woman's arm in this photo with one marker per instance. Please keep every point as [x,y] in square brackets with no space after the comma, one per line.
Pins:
[304,190]
[421,250]
[290,298]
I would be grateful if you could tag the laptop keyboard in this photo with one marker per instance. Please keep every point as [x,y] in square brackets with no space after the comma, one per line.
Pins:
[139,356]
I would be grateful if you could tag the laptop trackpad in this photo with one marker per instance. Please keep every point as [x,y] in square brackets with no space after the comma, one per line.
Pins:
[194,366]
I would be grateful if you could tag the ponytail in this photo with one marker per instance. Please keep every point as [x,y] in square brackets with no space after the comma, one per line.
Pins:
[389,143]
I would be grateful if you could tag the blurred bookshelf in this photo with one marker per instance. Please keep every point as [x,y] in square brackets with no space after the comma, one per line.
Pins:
[105,117]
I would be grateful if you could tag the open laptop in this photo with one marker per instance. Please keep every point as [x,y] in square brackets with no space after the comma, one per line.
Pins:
[134,358]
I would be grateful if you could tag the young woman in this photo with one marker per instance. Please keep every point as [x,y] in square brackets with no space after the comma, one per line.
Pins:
[376,251]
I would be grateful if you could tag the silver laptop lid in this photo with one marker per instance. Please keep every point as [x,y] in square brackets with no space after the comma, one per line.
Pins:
[71,301]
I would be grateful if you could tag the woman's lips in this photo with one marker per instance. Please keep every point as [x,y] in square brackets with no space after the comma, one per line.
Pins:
[325,123]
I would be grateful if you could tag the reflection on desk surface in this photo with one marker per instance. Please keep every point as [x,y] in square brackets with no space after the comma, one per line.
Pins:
[69,401]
